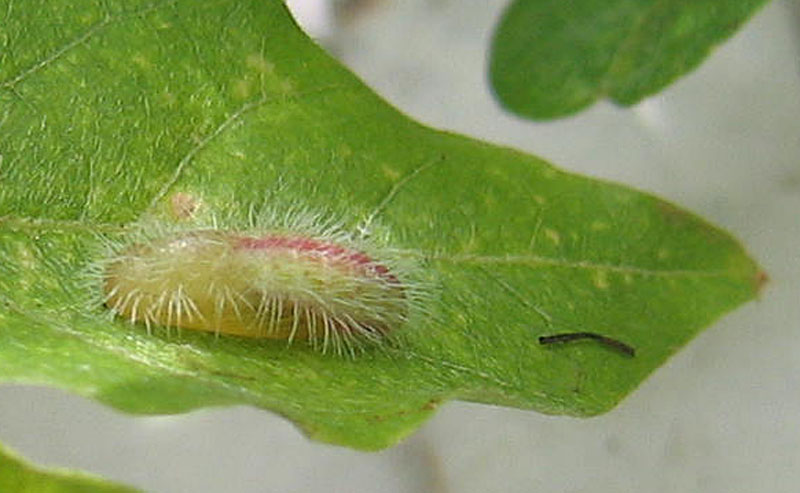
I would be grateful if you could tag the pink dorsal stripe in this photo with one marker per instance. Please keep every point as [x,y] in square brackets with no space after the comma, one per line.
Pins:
[317,248]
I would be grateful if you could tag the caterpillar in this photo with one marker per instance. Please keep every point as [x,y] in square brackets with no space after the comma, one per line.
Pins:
[281,284]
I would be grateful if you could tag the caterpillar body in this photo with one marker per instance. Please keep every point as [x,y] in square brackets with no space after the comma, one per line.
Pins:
[279,285]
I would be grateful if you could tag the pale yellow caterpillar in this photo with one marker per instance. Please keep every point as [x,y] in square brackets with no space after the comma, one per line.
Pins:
[280,285]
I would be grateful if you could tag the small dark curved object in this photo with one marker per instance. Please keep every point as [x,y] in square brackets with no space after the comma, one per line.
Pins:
[577,336]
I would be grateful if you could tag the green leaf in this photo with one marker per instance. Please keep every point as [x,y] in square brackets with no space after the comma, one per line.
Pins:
[551,58]
[18,477]
[107,111]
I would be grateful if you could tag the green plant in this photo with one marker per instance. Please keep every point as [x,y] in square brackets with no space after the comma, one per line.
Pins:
[110,111]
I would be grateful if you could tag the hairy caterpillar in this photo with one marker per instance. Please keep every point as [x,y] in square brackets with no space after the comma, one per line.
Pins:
[281,284]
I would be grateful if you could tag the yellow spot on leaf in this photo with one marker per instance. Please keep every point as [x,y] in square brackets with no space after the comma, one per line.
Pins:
[286,87]
[242,89]
[601,279]
[391,173]
[183,205]
[140,61]
[553,236]
[344,151]
[549,173]
[168,98]
[258,63]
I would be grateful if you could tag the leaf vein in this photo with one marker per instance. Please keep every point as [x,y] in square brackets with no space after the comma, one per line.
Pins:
[245,108]
[364,227]
[14,223]
[11,82]
[535,260]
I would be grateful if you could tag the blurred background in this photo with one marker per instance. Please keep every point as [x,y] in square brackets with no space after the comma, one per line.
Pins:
[722,416]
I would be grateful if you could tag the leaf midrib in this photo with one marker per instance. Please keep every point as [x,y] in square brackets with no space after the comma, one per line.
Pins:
[31,224]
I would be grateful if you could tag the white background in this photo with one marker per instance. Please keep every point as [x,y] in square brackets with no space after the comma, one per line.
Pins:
[721,416]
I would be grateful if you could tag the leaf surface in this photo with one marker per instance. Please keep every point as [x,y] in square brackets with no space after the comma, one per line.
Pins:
[551,58]
[109,109]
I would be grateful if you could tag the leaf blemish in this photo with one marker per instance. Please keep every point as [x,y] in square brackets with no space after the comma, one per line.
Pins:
[260,64]
[600,279]
[183,206]
[553,236]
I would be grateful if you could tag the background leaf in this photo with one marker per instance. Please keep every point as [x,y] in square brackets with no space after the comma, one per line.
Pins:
[16,476]
[550,58]
[117,106]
